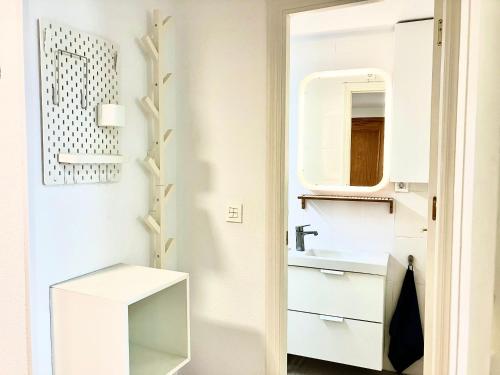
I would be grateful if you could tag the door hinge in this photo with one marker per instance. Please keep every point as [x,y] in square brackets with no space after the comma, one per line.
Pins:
[286,238]
[434,208]
[440,33]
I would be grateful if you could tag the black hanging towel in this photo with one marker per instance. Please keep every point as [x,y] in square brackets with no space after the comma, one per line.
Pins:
[407,339]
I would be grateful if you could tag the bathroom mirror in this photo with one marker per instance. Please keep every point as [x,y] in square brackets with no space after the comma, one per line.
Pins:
[344,131]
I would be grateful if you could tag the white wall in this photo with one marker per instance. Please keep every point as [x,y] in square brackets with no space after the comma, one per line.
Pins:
[221,121]
[81,228]
[14,306]
[349,226]
[222,116]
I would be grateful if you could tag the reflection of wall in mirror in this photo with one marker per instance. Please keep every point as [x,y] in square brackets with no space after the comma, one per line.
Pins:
[368,104]
[324,135]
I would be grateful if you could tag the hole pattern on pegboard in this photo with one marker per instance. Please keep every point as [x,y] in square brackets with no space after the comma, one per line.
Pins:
[78,72]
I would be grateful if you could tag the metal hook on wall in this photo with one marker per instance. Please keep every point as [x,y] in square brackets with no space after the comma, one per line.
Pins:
[411,259]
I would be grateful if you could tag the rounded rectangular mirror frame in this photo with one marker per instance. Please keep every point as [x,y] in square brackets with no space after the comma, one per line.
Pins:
[345,189]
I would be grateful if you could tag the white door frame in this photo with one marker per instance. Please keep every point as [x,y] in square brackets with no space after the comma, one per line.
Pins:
[440,249]
[443,133]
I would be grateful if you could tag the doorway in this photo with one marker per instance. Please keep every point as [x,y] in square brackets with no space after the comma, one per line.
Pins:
[277,202]
[348,88]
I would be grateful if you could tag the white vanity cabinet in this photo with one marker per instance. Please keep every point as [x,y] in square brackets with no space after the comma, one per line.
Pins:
[412,85]
[336,315]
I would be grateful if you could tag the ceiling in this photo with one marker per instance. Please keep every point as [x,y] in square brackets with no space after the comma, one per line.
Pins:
[367,15]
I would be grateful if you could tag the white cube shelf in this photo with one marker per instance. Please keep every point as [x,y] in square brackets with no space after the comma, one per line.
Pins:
[122,320]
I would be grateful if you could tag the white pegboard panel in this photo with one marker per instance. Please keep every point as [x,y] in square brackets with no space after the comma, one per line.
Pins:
[78,71]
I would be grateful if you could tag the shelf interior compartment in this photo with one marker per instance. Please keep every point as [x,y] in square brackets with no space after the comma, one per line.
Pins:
[158,332]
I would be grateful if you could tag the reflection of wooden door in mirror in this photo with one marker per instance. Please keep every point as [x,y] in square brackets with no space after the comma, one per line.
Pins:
[367,151]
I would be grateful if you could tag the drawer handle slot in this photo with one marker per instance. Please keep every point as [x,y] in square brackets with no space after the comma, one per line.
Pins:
[330,272]
[331,318]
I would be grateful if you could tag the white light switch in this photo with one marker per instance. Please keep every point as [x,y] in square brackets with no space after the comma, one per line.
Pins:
[234,213]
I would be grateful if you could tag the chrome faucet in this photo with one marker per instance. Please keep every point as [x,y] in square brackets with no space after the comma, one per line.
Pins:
[299,236]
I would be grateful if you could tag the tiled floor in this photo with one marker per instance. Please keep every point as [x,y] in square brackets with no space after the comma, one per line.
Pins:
[308,366]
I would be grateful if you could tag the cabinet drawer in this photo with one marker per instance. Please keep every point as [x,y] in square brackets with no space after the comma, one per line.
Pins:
[345,294]
[351,342]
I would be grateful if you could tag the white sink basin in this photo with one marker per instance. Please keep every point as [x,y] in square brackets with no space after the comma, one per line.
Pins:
[356,261]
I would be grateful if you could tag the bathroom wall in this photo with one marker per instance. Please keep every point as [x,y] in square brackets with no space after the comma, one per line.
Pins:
[222,116]
[351,226]
[78,229]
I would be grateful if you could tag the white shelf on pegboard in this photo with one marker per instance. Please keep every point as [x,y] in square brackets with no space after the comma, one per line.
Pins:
[89,159]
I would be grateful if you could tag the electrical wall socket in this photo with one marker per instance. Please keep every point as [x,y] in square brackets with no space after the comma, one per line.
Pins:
[402,187]
[234,213]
